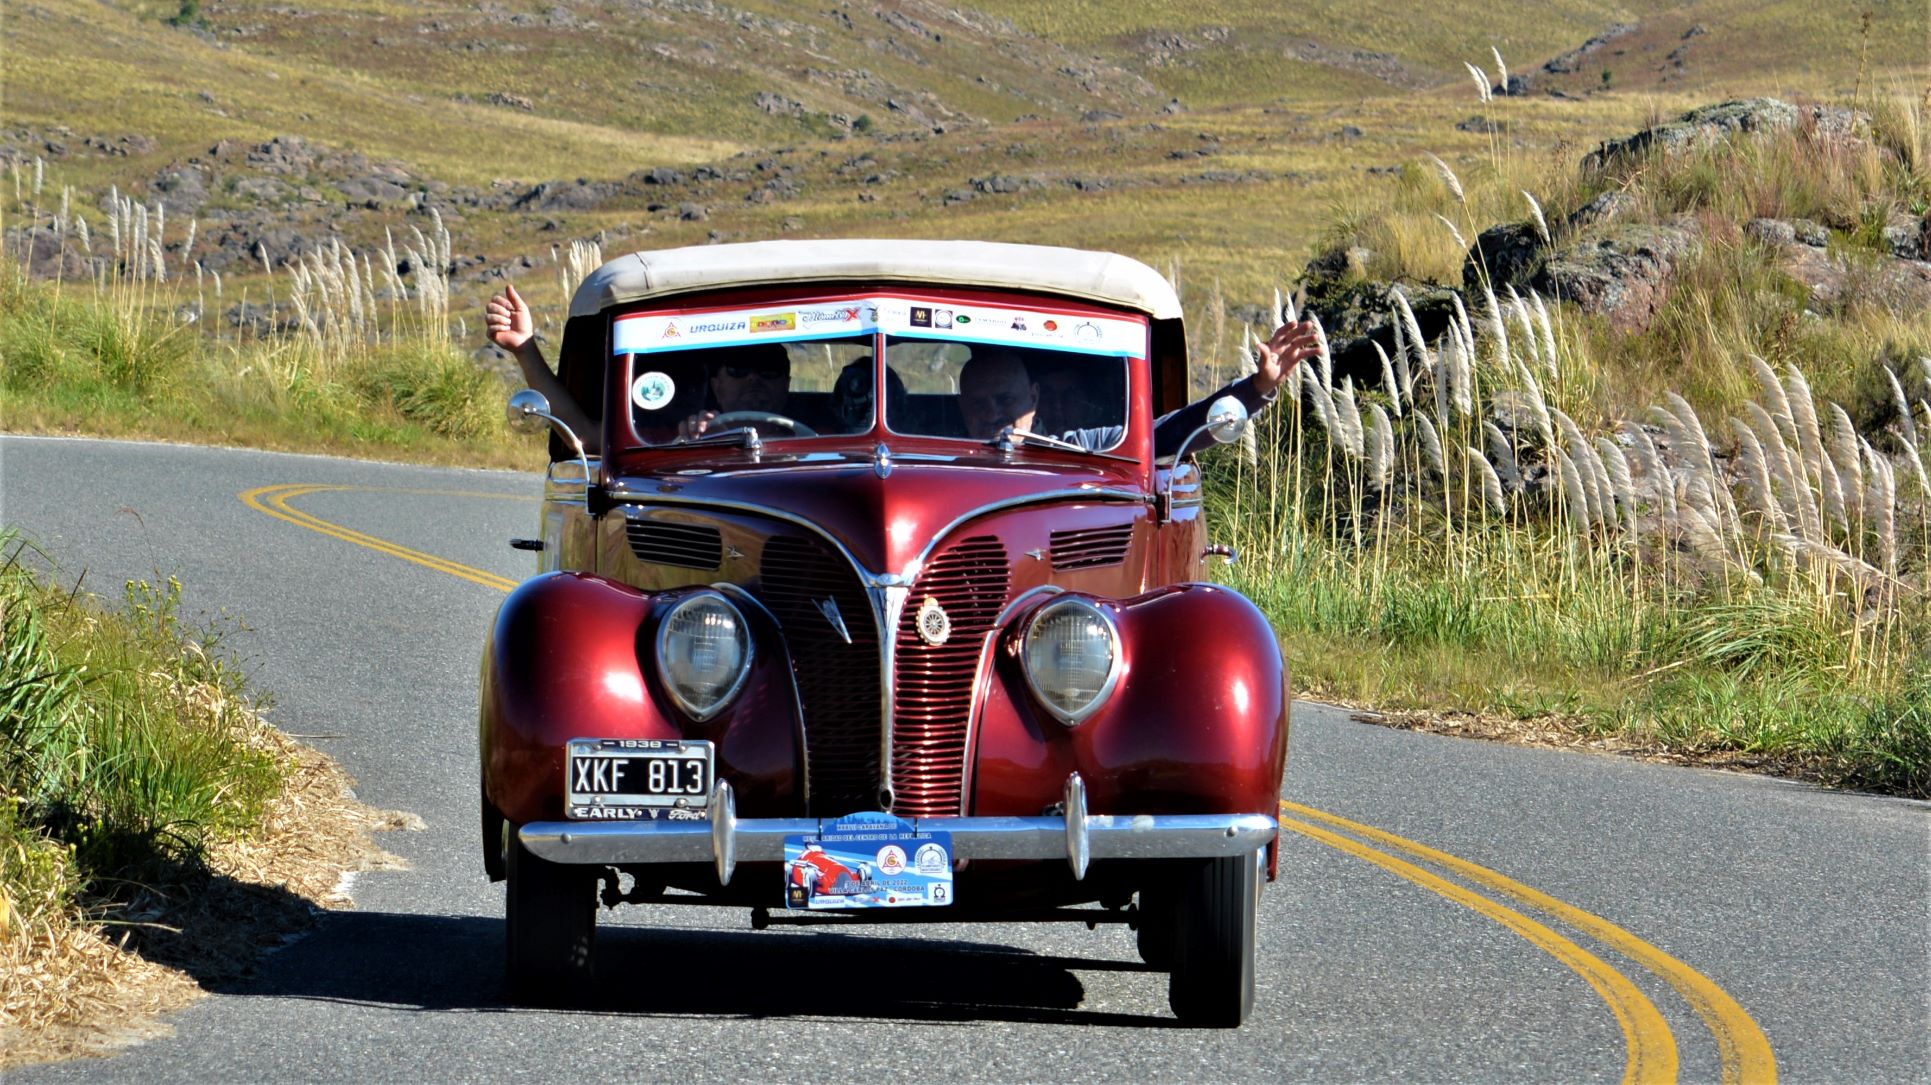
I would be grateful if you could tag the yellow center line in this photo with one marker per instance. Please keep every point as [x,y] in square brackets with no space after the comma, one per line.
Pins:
[1742,1048]
[274,501]
[1650,1047]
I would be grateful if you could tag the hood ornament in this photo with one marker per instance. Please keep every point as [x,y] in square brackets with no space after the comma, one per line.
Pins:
[882,460]
[828,606]
[934,625]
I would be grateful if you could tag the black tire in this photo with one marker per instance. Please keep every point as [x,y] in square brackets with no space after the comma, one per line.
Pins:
[1158,927]
[549,930]
[1212,985]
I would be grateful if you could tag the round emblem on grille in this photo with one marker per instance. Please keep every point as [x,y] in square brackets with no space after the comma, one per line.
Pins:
[934,625]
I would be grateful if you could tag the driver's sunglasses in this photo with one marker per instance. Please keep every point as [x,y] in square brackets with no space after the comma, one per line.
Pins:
[745,372]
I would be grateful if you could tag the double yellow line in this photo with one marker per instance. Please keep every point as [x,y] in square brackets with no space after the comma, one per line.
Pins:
[1742,1050]
[1651,1055]
[274,500]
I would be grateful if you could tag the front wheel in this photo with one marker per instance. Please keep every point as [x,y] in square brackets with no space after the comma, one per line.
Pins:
[1213,969]
[550,928]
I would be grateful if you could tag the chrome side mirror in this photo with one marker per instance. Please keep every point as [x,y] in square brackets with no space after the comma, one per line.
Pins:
[1225,418]
[530,408]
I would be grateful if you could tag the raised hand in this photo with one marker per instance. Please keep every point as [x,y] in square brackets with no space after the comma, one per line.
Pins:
[1289,346]
[507,317]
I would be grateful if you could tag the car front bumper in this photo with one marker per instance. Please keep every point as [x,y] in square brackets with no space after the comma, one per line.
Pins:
[1074,835]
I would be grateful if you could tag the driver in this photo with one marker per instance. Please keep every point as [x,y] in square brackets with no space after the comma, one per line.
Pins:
[753,378]
[997,390]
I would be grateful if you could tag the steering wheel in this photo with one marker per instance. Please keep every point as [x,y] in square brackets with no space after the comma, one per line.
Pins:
[759,420]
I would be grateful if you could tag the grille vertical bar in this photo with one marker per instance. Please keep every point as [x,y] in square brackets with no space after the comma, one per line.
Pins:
[932,694]
[838,683]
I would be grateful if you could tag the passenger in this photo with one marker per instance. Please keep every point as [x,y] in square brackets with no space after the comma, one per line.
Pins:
[996,390]
[851,396]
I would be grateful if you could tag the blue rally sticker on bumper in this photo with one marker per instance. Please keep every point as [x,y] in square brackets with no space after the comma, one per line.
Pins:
[868,861]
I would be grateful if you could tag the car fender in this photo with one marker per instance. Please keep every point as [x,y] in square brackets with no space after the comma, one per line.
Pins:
[1198,722]
[571,655]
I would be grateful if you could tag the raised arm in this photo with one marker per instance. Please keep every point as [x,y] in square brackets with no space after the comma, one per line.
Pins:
[1274,362]
[507,318]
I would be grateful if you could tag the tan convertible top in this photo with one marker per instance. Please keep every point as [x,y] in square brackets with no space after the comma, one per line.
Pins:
[1076,273]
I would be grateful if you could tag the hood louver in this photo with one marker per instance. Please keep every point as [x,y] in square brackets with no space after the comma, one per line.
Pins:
[1092,547]
[686,546]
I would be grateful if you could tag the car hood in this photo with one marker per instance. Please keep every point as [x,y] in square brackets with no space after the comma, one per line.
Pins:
[887,519]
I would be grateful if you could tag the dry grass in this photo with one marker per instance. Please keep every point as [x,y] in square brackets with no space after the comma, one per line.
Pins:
[75,985]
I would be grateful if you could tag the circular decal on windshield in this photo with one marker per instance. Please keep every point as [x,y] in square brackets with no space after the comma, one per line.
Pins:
[653,390]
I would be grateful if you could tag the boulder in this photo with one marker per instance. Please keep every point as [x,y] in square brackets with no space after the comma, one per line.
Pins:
[1510,254]
[1605,207]
[182,189]
[1772,232]
[1712,123]
[1623,274]
[1357,314]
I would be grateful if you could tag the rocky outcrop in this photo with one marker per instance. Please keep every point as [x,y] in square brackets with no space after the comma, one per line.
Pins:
[1623,274]
[1713,123]
[1356,314]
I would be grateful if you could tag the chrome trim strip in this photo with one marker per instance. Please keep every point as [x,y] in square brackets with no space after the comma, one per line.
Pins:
[761,840]
[891,601]
[737,592]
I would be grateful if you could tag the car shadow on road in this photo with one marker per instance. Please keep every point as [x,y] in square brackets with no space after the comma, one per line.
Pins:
[454,963]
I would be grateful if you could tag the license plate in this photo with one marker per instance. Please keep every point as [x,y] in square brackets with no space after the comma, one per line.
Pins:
[868,861]
[633,778]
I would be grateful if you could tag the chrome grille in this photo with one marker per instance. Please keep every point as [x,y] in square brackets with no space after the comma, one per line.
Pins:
[932,696]
[837,682]
[665,542]
[1090,547]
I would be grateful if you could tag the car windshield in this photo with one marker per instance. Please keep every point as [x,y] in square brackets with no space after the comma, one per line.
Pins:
[975,389]
[803,388]
[806,369]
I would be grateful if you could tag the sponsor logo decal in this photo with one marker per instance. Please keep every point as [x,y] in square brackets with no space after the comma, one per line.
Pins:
[717,326]
[1086,329]
[670,329]
[891,859]
[774,322]
[1019,323]
[942,318]
[652,391]
[963,318]
[921,317]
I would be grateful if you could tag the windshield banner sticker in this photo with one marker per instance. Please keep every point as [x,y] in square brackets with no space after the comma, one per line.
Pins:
[645,333]
[868,860]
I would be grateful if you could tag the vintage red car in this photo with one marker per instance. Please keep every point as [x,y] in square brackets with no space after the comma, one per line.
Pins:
[945,616]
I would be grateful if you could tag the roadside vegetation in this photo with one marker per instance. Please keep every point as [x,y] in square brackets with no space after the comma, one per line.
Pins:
[155,833]
[1669,537]
[329,355]
[127,752]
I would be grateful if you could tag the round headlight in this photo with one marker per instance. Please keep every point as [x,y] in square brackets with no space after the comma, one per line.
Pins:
[703,653]
[1071,657]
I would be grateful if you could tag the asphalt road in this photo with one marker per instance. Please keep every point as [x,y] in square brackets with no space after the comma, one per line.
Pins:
[1655,921]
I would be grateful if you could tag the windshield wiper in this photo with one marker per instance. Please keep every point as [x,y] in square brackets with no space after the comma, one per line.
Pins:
[1011,437]
[745,435]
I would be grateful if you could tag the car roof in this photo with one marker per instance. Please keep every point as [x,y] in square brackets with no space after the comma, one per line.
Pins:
[1103,277]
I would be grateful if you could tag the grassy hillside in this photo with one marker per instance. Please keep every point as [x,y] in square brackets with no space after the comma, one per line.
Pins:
[1226,143]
